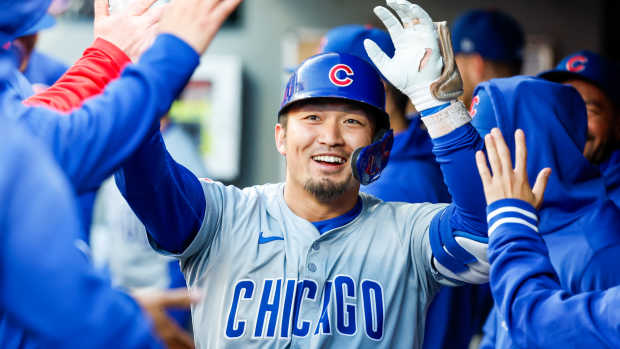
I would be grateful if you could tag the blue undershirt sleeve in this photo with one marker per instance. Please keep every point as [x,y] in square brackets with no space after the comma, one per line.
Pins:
[166,196]
[455,153]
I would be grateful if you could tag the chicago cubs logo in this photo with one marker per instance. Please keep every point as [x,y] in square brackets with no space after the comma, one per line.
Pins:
[341,81]
[576,64]
[472,108]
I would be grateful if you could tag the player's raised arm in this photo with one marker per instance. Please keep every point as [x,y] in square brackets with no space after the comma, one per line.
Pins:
[169,199]
[433,83]
[524,284]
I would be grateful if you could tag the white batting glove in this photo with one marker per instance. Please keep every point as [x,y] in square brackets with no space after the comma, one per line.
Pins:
[417,60]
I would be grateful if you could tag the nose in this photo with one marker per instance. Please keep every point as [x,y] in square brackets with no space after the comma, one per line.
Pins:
[331,134]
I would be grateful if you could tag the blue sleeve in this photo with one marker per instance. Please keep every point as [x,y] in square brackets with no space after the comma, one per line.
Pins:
[91,142]
[49,287]
[455,153]
[166,196]
[529,297]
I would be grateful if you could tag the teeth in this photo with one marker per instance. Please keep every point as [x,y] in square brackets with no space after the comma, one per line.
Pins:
[330,159]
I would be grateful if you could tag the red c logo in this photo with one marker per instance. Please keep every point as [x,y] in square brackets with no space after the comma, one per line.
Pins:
[576,64]
[472,108]
[333,75]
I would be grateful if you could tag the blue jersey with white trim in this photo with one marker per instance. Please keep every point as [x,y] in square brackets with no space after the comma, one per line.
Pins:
[271,280]
[528,292]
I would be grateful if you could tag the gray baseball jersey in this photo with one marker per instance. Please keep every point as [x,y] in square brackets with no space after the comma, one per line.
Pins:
[271,280]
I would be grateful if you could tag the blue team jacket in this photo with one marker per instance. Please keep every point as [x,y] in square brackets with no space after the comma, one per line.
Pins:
[611,172]
[90,142]
[578,222]
[537,311]
[49,287]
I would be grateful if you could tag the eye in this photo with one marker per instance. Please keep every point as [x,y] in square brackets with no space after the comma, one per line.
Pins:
[353,122]
[312,117]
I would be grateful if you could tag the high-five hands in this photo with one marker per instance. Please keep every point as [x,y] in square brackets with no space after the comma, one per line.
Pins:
[196,21]
[503,181]
[417,61]
[131,30]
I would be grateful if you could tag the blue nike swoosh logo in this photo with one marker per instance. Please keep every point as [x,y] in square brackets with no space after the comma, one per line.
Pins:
[265,239]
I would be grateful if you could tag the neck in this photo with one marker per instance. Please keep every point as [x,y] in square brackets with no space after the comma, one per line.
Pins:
[306,205]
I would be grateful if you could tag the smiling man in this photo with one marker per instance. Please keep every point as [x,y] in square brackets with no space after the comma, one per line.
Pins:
[312,262]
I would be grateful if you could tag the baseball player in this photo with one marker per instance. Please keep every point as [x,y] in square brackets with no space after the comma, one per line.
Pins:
[524,283]
[89,142]
[312,262]
[594,77]
[456,313]
[488,44]
[577,219]
[48,287]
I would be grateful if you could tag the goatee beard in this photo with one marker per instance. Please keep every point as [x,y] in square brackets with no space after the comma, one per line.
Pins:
[326,190]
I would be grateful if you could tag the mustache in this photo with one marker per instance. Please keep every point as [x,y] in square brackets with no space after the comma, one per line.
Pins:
[590,137]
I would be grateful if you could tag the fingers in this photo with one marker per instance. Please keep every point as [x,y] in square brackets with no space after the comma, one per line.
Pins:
[153,15]
[176,298]
[224,8]
[139,7]
[520,154]
[173,335]
[101,8]
[502,151]
[419,19]
[494,161]
[540,185]
[483,169]
[376,54]
[391,23]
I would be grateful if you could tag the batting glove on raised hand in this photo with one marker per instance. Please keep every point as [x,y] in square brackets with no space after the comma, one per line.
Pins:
[417,60]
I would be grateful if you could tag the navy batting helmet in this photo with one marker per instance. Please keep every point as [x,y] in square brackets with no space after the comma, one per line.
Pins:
[345,77]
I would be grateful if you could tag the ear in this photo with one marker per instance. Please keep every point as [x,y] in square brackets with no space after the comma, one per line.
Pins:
[280,135]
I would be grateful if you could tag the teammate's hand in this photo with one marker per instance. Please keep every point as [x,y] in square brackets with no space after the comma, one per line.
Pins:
[504,182]
[132,30]
[197,21]
[417,59]
[155,304]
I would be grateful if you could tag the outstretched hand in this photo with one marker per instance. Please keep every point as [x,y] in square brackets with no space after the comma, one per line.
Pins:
[132,30]
[417,60]
[197,21]
[502,181]
[155,304]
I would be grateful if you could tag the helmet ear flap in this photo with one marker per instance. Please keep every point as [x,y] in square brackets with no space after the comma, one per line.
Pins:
[368,162]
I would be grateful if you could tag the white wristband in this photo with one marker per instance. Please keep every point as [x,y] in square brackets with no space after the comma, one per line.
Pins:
[446,120]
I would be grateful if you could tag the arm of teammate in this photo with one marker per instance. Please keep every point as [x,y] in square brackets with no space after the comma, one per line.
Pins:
[93,140]
[117,36]
[525,287]
[48,285]
[458,234]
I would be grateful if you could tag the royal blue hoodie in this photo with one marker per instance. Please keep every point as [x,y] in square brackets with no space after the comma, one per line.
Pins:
[49,288]
[578,222]
[92,141]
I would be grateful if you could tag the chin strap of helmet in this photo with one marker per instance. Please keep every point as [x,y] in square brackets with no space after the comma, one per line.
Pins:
[368,162]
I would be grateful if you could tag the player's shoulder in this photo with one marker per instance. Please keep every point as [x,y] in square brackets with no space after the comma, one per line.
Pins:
[263,192]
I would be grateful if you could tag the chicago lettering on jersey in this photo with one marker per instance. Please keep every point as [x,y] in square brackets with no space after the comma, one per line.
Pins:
[277,306]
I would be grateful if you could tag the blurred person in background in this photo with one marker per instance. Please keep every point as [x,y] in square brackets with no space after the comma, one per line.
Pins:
[40,69]
[488,44]
[595,78]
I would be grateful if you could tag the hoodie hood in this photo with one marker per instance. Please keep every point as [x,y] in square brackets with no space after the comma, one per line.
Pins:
[554,119]
[18,16]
